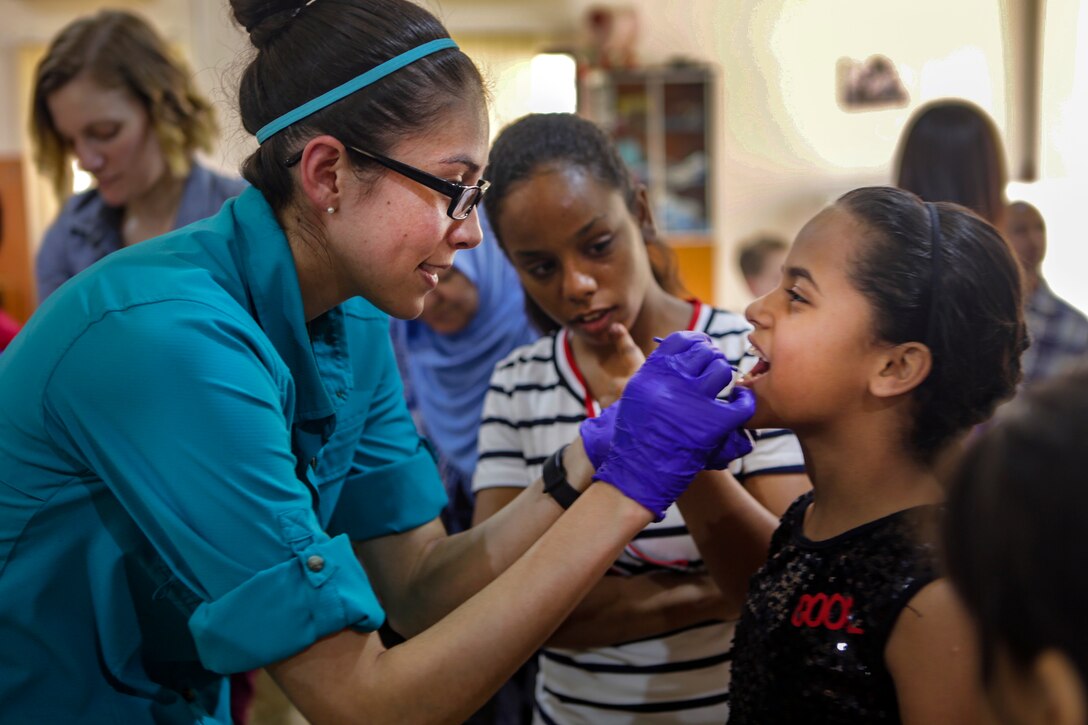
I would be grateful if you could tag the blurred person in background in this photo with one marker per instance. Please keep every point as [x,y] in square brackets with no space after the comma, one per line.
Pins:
[951,151]
[760,262]
[1058,331]
[110,95]
[1015,552]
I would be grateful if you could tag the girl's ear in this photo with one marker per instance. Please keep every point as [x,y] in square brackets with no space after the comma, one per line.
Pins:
[321,169]
[1060,687]
[901,369]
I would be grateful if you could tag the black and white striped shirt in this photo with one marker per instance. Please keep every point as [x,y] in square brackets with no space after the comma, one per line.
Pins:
[535,402]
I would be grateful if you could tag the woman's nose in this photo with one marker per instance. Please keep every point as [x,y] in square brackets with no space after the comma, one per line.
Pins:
[88,159]
[466,234]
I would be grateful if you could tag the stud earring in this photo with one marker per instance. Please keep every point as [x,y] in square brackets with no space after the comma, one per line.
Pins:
[331,210]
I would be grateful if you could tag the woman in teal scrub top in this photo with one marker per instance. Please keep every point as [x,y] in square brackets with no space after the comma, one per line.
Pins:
[206,464]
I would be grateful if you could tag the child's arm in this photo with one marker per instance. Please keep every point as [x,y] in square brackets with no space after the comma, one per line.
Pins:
[731,528]
[932,657]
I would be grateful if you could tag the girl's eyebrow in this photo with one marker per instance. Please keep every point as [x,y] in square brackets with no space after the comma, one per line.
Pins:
[588,225]
[578,234]
[803,274]
[529,254]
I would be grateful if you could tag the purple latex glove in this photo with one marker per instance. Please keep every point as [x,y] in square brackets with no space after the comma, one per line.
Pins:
[597,434]
[669,424]
[737,443]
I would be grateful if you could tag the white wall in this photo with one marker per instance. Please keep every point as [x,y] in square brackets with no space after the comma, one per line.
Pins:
[1062,191]
[786,147]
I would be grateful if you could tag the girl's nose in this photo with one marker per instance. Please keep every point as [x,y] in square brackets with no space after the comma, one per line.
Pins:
[578,284]
[756,311]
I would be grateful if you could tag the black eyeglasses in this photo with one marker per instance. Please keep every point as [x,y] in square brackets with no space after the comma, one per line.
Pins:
[463,199]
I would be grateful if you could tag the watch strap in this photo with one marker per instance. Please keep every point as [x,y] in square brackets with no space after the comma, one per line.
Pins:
[555,480]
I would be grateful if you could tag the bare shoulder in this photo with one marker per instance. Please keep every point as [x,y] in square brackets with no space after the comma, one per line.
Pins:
[932,657]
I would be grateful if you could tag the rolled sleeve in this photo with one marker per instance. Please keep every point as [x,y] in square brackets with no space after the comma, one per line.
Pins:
[393,485]
[284,609]
[391,499]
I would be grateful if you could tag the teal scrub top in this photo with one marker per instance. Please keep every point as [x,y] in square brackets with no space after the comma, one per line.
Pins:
[183,465]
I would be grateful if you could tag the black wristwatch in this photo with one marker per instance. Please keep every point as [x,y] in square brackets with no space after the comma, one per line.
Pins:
[555,480]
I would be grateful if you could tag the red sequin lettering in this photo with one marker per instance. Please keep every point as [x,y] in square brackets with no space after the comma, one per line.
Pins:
[823,610]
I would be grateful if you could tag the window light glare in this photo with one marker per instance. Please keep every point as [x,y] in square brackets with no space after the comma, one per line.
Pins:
[553,83]
[81,180]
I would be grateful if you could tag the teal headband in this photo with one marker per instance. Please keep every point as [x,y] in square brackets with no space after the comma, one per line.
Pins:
[361,81]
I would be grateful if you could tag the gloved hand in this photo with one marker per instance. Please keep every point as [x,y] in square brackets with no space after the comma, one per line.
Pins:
[737,443]
[597,434]
[669,424]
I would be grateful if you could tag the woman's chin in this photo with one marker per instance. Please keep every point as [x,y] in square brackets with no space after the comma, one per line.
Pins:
[112,197]
[402,309]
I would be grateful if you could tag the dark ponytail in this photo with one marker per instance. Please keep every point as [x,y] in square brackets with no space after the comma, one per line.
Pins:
[304,50]
[976,331]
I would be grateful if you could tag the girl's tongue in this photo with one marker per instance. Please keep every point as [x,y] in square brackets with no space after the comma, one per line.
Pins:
[761,367]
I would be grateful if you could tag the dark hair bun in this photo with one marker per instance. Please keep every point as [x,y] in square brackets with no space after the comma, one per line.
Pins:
[264,20]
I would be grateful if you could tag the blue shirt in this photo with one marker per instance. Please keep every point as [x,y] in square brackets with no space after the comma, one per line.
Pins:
[183,465]
[86,230]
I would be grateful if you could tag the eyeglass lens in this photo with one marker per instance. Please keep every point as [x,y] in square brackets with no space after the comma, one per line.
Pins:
[464,203]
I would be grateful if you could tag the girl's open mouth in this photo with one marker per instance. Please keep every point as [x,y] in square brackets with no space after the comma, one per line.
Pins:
[761,368]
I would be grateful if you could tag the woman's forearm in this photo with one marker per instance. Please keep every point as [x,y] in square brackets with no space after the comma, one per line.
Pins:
[445,673]
[448,570]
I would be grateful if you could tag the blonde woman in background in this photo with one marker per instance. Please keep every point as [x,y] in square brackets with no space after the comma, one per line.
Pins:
[110,95]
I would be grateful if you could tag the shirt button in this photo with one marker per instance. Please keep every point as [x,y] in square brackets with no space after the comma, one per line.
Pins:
[315,563]
[313,463]
[341,394]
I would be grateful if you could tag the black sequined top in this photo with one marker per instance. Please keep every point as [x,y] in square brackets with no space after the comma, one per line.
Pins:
[810,645]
